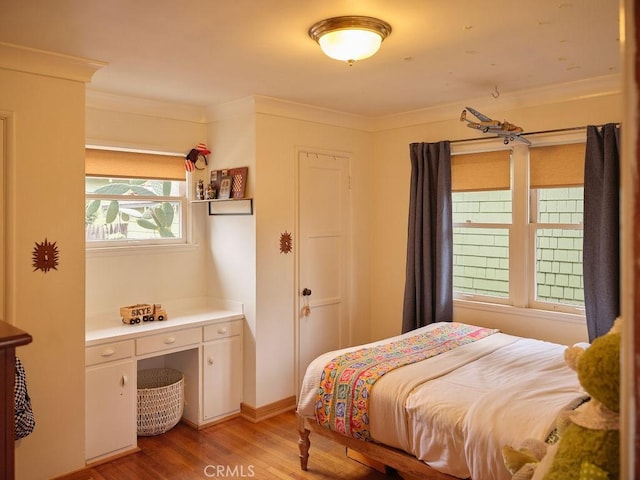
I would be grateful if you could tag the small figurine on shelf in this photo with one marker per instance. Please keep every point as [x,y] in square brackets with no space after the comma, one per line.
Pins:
[211,192]
[200,190]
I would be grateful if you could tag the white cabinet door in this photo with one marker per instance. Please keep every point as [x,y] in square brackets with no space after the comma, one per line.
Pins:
[222,378]
[110,409]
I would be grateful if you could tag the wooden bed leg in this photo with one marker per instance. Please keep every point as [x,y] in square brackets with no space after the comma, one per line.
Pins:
[303,443]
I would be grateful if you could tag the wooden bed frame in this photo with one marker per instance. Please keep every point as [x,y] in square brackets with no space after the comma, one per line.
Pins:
[407,465]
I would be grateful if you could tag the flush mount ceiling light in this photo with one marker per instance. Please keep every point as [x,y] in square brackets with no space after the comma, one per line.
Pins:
[350,38]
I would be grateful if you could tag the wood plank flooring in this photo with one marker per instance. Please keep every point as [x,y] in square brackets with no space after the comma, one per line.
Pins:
[237,448]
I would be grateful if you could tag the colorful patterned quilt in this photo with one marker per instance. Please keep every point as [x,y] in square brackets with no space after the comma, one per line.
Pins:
[345,386]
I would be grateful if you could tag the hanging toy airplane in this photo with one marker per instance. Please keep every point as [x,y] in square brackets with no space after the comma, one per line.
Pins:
[505,130]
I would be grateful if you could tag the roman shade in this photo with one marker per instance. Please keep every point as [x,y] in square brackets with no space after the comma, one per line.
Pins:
[472,172]
[123,164]
[557,165]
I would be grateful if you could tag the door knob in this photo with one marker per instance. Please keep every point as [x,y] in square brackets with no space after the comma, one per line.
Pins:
[306,292]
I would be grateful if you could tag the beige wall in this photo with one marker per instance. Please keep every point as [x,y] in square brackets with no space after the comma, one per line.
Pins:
[231,239]
[115,278]
[44,198]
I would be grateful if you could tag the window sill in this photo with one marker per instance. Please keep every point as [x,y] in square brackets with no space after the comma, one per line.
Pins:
[121,250]
[529,313]
[557,327]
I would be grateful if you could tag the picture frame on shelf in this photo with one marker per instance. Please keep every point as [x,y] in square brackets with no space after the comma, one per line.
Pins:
[224,192]
[215,179]
[239,183]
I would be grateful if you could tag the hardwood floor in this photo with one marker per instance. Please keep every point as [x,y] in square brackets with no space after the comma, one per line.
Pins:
[237,448]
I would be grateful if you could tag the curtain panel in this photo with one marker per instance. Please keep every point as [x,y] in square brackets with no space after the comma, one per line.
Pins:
[428,295]
[601,248]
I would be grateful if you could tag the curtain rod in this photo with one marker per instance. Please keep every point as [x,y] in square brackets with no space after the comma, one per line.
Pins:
[539,132]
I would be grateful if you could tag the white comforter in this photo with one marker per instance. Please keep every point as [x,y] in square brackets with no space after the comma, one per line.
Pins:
[457,410]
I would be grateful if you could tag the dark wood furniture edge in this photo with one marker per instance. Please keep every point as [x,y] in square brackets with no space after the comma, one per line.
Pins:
[401,461]
[10,338]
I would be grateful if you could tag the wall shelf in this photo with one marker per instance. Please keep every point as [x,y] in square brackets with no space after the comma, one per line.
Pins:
[230,206]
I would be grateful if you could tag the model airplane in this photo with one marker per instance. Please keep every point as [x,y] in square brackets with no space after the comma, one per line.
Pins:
[507,131]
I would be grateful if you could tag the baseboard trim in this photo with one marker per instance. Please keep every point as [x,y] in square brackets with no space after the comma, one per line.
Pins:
[256,415]
[211,423]
[85,473]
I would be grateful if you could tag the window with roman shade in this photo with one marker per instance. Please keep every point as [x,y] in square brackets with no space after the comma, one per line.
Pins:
[517,217]
[557,214]
[134,198]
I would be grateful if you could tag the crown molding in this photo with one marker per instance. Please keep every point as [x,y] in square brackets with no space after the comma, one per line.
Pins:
[231,109]
[311,113]
[257,104]
[50,64]
[556,93]
[108,101]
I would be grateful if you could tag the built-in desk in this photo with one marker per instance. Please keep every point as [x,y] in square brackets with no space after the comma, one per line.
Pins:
[200,338]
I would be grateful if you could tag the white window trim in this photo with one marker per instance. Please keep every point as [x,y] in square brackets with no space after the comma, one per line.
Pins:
[147,249]
[524,312]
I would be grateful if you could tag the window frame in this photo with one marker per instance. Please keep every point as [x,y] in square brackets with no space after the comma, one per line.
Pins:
[534,226]
[522,281]
[481,147]
[136,245]
[181,200]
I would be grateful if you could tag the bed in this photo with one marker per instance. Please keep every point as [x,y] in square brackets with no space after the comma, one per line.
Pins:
[446,413]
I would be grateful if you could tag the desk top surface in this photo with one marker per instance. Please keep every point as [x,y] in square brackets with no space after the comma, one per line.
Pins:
[108,326]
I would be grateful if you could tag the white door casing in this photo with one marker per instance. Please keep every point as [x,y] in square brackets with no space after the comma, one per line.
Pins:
[323,255]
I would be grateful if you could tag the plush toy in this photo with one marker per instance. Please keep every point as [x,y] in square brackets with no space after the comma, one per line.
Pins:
[588,447]
[522,462]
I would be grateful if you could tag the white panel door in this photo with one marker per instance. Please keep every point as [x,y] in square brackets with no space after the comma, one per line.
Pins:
[322,254]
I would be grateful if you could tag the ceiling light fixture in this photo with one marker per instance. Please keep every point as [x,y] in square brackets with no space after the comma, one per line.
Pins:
[350,38]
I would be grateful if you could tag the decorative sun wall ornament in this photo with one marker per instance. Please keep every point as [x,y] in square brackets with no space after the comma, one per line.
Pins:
[286,242]
[45,256]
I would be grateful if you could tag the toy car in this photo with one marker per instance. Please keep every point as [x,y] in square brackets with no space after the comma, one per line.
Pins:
[142,312]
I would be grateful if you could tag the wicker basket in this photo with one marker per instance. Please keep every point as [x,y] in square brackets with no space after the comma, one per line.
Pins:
[160,400]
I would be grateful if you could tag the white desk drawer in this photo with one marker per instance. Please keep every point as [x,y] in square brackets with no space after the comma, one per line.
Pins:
[169,340]
[222,330]
[108,352]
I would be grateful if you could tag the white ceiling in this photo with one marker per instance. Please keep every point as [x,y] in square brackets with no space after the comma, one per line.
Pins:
[207,52]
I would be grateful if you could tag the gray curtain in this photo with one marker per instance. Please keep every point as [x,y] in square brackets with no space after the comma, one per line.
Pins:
[428,295]
[601,248]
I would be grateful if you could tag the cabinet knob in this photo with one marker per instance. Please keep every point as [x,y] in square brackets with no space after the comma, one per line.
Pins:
[170,340]
[124,380]
[210,360]
[222,330]
[108,352]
